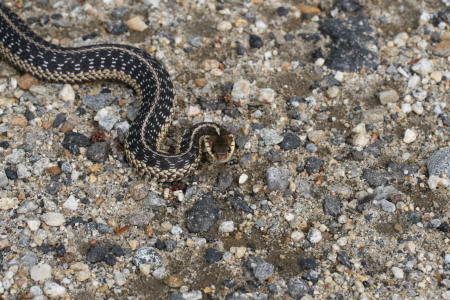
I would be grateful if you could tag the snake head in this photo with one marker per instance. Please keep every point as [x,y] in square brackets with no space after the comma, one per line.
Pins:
[221,146]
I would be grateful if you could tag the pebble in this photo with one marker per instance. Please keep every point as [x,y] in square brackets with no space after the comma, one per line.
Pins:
[138,190]
[332,206]
[81,271]
[226,226]
[16,157]
[243,178]
[436,76]
[261,269]
[241,89]
[106,118]
[297,236]
[3,179]
[255,41]
[33,224]
[99,101]
[140,218]
[375,178]
[26,206]
[147,255]
[314,235]
[439,162]
[389,96]
[136,24]
[413,81]
[195,41]
[203,215]
[422,67]
[41,272]
[313,165]
[28,259]
[98,152]
[67,93]
[73,141]
[410,136]
[26,81]
[267,95]
[290,141]
[224,26]
[397,272]
[8,203]
[54,290]
[316,136]
[152,201]
[333,92]
[116,27]
[298,288]
[71,203]
[270,137]
[442,49]
[193,111]
[387,206]
[277,179]
[53,219]
[212,255]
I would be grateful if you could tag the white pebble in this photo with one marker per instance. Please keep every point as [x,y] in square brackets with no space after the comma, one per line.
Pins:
[398,273]
[53,219]
[224,26]
[319,62]
[413,81]
[314,235]
[71,203]
[8,203]
[241,89]
[33,224]
[401,39]
[406,108]
[267,95]
[243,178]
[410,136]
[422,67]
[226,226]
[67,93]
[289,216]
[297,235]
[339,76]
[193,111]
[41,272]
[342,219]
[54,290]
[417,108]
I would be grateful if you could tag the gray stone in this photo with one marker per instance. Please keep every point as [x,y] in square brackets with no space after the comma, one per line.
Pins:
[153,201]
[439,162]
[332,206]
[270,137]
[277,179]
[26,206]
[28,259]
[297,288]
[98,152]
[203,215]
[99,101]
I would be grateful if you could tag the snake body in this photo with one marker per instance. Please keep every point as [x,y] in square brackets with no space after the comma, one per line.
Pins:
[30,53]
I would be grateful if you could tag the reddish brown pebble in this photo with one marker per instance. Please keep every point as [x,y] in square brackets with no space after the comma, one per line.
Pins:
[119,231]
[200,82]
[46,125]
[149,231]
[26,81]
[54,171]
[20,121]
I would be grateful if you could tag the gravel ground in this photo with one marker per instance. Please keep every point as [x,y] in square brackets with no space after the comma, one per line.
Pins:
[338,189]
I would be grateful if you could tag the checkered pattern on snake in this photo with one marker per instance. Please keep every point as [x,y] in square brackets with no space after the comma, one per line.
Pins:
[30,53]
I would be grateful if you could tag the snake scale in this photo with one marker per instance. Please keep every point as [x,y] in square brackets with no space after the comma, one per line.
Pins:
[135,67]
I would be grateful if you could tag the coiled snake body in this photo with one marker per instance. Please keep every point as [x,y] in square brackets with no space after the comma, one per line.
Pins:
[27,51]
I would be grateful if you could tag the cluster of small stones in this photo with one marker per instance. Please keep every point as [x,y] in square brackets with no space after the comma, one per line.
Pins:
[338,188]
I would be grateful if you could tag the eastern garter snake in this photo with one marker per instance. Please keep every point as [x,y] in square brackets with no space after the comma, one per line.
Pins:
[135,67]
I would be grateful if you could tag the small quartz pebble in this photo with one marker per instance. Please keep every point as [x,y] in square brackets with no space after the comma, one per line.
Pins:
[436,76]
[243,178]
[361,138]
[314,235]
[53,219]
[193,111]
[397,272]
[241,89]
[226,226]
[388,96]
[33,224]
[410,136]
[224,26]
[422,67]
[210,64]
[41,272]
[54,290]
[136,24]
[333,92]
[67,93]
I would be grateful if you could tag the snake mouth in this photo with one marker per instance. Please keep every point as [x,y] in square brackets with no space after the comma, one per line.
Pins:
[220,148]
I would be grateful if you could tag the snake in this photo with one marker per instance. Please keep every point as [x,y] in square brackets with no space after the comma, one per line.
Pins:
[30,53]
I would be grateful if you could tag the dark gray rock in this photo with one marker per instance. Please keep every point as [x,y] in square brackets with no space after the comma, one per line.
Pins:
[308,263]
[313,165]
[116,27]
[255,41]
[290,141]
[224,181]
[376,178]
[212,255]
[73,141]
[439,162]
[203,215]
[98,152]
[332,206]
[297,288]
